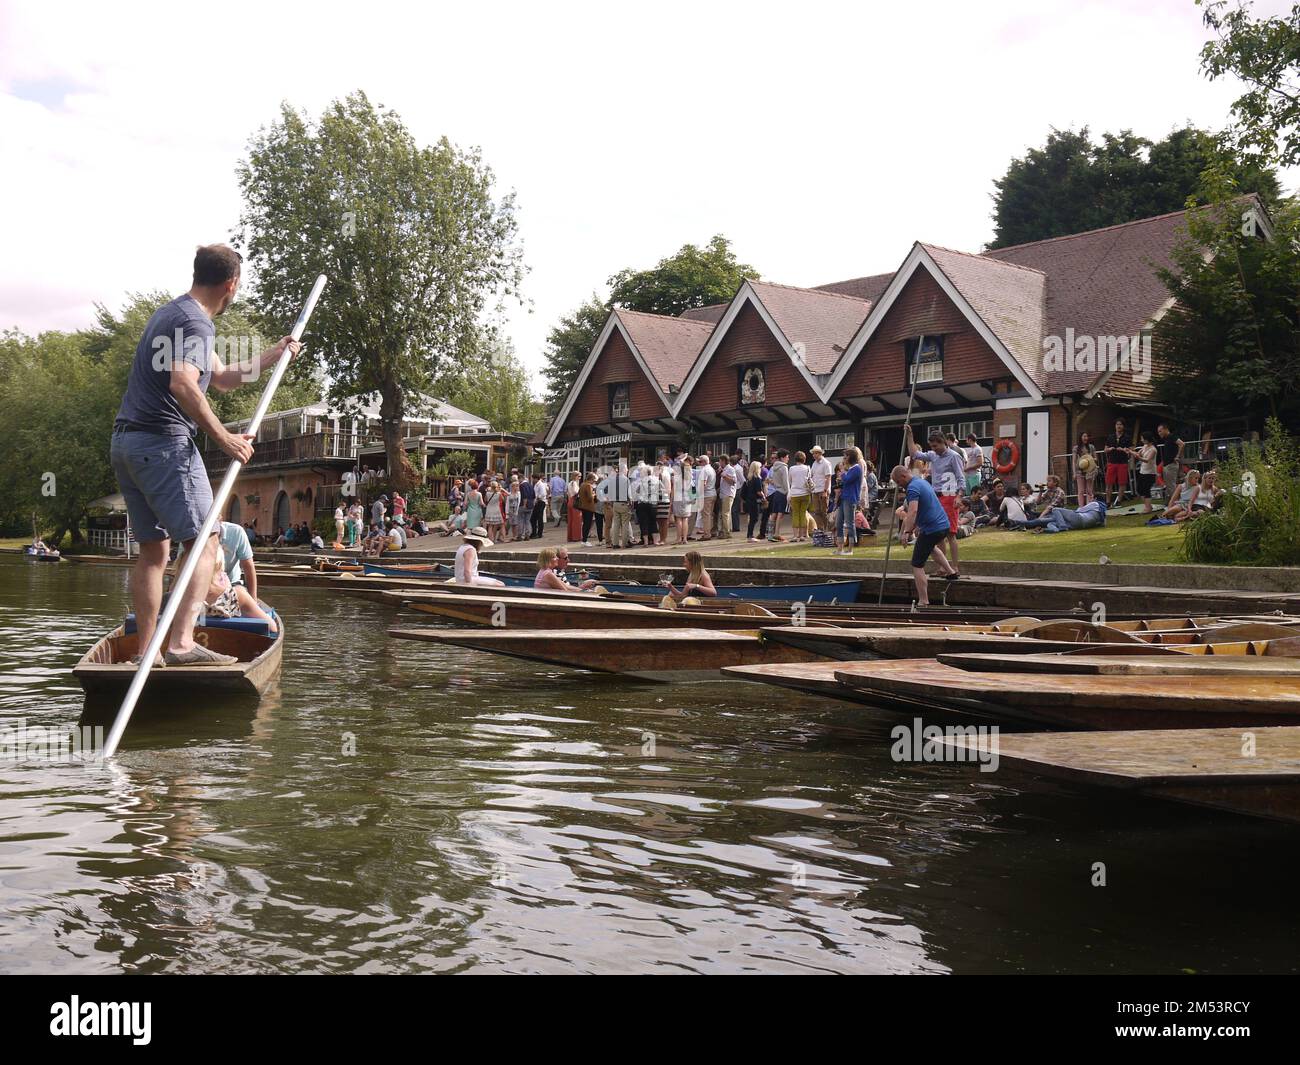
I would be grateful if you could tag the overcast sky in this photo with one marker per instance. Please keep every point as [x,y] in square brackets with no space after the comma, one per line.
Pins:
[822,138]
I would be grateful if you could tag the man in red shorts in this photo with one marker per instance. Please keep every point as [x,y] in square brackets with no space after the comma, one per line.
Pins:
[947,478]
[1119,449]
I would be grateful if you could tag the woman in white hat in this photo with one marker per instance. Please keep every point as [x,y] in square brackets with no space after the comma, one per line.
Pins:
[466,567]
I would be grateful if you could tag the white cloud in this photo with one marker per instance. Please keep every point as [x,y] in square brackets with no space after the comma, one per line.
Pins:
[823,138]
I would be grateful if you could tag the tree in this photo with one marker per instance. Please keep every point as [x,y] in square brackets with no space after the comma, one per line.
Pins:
[499,391]
[1230,344]
[61,403]
[693,277]
[241,334]
[1264,54]
[1072,184]
[567,346]
[412,238]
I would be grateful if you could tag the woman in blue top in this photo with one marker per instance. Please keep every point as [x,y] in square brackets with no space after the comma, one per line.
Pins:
[846,532]
[924,513]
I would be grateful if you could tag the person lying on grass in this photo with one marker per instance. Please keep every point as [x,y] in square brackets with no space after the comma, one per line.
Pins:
[1063,519]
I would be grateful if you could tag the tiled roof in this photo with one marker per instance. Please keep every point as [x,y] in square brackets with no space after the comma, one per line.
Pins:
[822,322]
[864,288]
[1008,298]
[712,313]
[667,344]
[1101,283]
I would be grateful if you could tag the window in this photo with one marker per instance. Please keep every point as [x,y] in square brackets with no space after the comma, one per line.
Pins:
[926,365]
[620,401]
[834,443]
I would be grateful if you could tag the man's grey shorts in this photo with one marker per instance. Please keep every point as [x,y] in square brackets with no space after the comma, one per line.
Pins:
[164,482]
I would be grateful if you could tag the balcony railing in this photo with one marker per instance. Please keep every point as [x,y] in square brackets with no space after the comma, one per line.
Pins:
[314,447]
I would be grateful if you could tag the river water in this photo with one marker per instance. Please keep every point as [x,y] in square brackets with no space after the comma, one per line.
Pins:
[491,816]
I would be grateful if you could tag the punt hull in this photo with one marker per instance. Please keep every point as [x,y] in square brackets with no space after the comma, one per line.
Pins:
[106,668]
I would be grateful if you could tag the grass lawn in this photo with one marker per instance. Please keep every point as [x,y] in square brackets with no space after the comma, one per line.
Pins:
[1125,539]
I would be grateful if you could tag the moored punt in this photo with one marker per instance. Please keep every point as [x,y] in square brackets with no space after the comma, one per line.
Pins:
[689,654]
[1256,773]
[828,592]
[107,666]
[1173,662]
[578,612]
[1082,701]
[853,644]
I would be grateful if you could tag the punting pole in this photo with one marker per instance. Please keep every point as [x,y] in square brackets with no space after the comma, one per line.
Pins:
[902,452]
[191,563]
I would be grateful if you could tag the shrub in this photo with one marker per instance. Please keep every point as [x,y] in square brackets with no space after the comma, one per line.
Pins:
[1258,520]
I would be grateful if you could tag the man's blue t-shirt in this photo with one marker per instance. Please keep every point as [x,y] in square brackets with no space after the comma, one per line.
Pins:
[234,549]
[930,516]
[179,331]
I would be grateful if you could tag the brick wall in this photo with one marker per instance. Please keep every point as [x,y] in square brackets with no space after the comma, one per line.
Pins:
[615,363]
[747,340]
[922,308]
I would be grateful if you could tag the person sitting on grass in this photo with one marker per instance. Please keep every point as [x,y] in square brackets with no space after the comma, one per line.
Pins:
[1063,519]
[1008,510]
[924,514]
[1180,507]
[698,581]
[1209,494]
[965,519]
[1053,495]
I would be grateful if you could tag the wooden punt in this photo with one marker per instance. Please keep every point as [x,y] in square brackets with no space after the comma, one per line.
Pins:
[107,668]
[334,565]
[1252,771]
[1167,662]
[854,644]
[690,654]
[1081,701]
[500,611]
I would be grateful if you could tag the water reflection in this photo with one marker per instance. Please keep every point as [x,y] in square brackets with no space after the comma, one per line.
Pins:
[403,807]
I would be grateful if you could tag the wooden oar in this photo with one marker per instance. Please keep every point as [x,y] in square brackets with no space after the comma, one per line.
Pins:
[191,562]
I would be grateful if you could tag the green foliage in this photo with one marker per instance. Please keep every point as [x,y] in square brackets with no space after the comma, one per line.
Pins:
[498,390]
[62,392]
[1264,54]
[59,403]
[692,277]
[1073,184]
[460,463]
[412,238]
[567,346]
[1258,522]
[1230,345]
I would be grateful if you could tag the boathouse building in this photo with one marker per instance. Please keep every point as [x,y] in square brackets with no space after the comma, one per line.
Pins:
[1029,345]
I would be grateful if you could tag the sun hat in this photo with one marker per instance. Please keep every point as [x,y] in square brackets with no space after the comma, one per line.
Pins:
[480,534]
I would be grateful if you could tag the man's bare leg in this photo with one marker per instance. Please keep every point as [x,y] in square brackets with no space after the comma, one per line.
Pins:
[922,586]
[181,638]
[952,542]
[147,586]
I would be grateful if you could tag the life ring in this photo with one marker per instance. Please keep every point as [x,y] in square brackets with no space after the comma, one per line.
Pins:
[1012,462]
